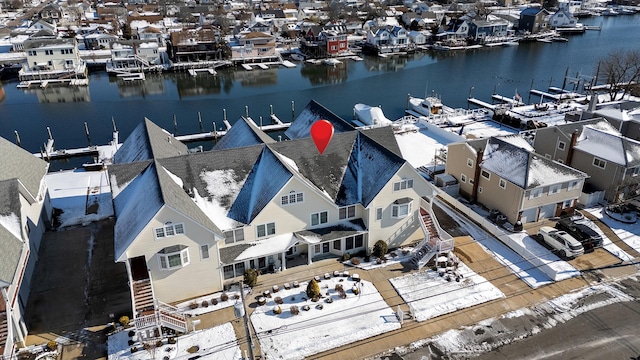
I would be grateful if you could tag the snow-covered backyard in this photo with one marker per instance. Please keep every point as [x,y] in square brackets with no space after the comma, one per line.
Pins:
[628,233]
[82,196]
[325,325]
[429,295]
[217,343]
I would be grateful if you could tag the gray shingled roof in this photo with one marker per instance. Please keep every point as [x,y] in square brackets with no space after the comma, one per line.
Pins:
[243,133]
[229,253]
[10,245]
[17,163]
[148,141]
[301,126]
[337,231]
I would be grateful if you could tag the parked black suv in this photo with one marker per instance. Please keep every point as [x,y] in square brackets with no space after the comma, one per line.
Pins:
[583,233]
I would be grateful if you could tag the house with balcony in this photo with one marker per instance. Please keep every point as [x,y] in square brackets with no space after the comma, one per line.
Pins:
[25,213]
[387,39]
[253,47]
[505,174]
[562,18]
[595,147]
[52,59]
[189,224]
[136,56]
[482,29]
[192,45]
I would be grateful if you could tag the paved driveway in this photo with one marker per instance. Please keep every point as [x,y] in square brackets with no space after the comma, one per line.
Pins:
[75,288]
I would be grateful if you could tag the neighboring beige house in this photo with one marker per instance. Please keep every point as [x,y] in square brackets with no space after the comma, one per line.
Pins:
[25,212]
[595,147]
[253,46]
[504,173]
[190,224]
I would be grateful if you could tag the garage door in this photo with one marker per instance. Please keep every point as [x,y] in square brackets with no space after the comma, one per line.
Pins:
[529,215]
[547,211]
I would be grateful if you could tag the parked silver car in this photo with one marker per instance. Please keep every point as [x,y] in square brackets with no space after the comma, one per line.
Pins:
[566,245]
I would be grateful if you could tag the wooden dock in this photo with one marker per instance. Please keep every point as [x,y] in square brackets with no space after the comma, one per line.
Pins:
[481,103]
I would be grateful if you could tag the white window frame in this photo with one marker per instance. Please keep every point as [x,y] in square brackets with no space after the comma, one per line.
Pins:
[483,172]
[636,171]
[463,178]
[469,162]
[403,185]
[236,235]
[395,210]
[319,218]
[573,184]
[567,203]
[502,183]
[168,230]
[266,230]
[562,145]
[347,212]
[293,197]
[205,254]
[378,213]
[535,193]
[554,189]
[597,162]
[165,259]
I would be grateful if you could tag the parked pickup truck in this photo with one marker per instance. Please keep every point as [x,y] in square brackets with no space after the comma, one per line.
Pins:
[565,245]
[589,238]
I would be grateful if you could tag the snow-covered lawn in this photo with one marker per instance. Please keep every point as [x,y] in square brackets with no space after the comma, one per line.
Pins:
[393,257]
[341,322]
[429,295]
[626,232]
[217,343]
[607,244]
[83,196]
[186,307]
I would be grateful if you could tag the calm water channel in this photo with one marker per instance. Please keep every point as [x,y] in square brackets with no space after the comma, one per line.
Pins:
[374,81]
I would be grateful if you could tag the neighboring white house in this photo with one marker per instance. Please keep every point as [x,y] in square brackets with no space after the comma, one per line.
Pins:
[562,18]
[51,59]
[25,212]
[189,224]
[135,56]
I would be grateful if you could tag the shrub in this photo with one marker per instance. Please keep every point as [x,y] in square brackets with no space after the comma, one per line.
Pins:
[134,349]
[224,297]
[52,345]
[193,305]
[342,294]
[278,300]
[159,343]
[328,300]
[277,310]
[131,333]
[367,258]
[130,342]
[379,248]
[172,340]
[124,320]
[236,296]
[346,256]
[193,349]
[355,261]
[338,287]
[214,301]
[313,289]
[205,303]
[294,310]
[250,277]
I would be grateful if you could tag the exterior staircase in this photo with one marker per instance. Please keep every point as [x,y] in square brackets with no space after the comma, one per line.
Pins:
[4,332]
[431,245]
[151,314]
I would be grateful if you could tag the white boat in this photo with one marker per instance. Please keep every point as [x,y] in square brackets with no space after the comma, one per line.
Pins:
[331,62]
[297,57]
[370,115]
[511,43]
[432,108]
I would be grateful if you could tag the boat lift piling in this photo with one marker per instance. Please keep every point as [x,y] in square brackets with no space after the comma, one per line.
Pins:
[17,138]
[86,131]
[175,125]
[200,122]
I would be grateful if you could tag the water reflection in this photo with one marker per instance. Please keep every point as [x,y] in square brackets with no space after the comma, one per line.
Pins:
[152,85]
[201,84]
[325,74]
[257,77]
[61,94]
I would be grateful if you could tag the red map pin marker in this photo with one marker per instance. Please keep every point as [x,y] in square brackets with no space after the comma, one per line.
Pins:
[321,132]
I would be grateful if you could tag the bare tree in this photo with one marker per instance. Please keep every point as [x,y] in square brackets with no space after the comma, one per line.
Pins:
[482,10]
[621,71]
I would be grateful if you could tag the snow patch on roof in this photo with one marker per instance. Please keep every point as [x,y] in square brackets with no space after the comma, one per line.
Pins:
[175,178]
[11,222]
[214,211]
[222,185]
[602,144]
[273,245]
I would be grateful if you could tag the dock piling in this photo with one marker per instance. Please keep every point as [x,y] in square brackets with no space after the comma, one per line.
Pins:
[293,112]
[246,110]
[175,125]
[86,131]
[17,138]
[49,132]
[200,122]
